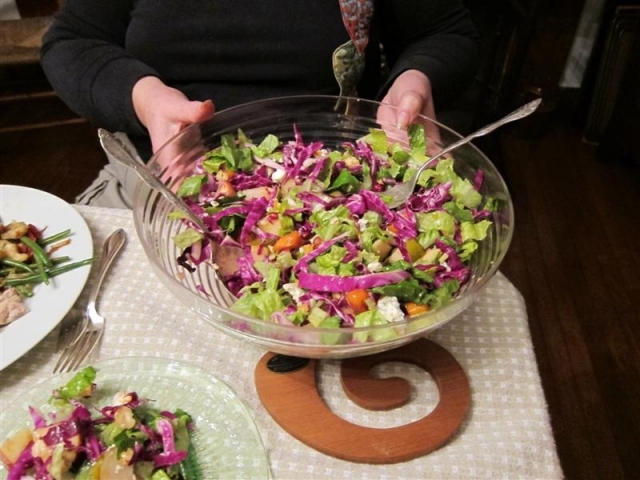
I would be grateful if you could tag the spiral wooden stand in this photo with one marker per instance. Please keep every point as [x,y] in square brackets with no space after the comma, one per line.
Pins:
[287,388]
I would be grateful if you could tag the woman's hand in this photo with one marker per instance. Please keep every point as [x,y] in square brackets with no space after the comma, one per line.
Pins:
[410,93]
[165,111]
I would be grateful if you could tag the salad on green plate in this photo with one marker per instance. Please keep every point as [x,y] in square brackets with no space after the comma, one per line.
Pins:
[127,438]
[316,243]
[144,418]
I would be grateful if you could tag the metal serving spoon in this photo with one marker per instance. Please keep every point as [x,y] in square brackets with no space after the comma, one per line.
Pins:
[400,193]
[224,257]
[117,149]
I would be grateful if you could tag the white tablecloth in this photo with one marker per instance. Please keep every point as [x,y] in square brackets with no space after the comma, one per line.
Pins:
[506,435]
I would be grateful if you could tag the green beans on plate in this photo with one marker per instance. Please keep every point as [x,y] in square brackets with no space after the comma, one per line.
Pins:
[28,258]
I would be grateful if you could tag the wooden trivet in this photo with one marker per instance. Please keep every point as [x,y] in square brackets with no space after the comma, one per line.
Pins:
[288,390]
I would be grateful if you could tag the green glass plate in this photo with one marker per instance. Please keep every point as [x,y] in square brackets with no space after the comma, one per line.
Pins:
[227,441]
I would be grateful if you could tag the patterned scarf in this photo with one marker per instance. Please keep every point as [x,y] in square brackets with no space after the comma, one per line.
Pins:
[348,59]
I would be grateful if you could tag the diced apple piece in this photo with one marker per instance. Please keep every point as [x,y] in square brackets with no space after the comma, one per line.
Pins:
[124,418]
[395,256]
[225,189]
[381,248]
[414,249]
[259,250]
[257,192]
[42,450]
[222,175]
[115,468]
[287,186]
[13,446]
[270,224]
[431,255]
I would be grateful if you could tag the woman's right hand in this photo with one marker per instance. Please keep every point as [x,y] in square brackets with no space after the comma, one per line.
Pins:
[165,111]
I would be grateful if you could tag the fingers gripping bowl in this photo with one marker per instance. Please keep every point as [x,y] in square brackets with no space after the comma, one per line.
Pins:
[330,123]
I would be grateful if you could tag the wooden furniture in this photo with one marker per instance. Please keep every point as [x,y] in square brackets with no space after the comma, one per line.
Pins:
[27,101]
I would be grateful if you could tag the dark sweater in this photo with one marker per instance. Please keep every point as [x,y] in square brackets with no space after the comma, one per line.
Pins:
[235,51]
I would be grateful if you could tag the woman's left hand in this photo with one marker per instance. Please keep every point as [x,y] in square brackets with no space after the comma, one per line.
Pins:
[410,93]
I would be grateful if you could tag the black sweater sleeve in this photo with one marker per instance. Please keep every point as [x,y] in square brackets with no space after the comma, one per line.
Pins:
[84,57]
[436,37]
[96,50]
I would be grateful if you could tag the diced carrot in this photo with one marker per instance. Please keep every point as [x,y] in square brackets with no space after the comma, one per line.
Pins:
[289,241]
[415,308]
[357,299]
[393,229]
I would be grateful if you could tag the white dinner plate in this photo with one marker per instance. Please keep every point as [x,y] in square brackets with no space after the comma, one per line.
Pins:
[50,303]
[226,440]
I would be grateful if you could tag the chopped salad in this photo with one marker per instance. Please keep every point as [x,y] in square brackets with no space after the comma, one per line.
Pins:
[74,438]
[317,243]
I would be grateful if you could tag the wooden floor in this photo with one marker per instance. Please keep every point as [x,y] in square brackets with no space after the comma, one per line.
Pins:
[575,257]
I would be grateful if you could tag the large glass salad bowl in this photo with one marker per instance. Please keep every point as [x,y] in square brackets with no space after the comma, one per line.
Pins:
[323,125]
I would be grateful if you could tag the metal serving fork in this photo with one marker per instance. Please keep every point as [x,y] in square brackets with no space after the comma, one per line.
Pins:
[400,193]
[81,346]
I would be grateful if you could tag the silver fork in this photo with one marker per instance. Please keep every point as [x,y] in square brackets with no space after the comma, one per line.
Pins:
[400,193]
[73,325]
[81,347]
